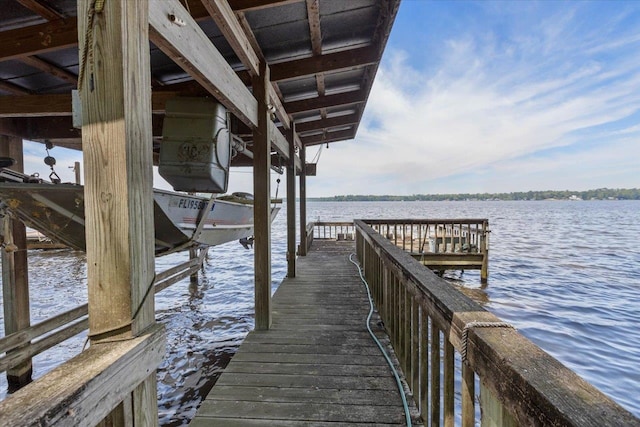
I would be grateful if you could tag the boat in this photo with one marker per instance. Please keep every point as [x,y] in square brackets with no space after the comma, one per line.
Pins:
[181,220]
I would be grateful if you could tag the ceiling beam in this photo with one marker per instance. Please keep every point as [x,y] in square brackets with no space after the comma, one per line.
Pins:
[34,128]
[313,16]
[37,39]
[175,32]
[354,97]
[189,47]
[234,33]
[13,89]
[49,68]
[323,63]
[258,4]
[57,105]
[328,137]
[42,8]
[327,123]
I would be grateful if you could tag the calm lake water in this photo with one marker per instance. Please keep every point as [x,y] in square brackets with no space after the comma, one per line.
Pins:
[566,274]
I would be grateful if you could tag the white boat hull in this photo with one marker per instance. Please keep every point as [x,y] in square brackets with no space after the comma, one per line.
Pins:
[57,211]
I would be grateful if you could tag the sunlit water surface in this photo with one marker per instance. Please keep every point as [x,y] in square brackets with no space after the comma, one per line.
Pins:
[566,274]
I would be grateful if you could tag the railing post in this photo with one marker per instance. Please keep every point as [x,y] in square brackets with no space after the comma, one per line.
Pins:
[435,375]
[493,412]
[468,396]
[484,272]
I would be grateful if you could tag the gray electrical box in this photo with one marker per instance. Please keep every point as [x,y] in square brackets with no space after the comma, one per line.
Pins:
[195,153]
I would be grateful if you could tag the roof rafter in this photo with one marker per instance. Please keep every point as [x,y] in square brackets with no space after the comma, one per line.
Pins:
[13,88]
[49,68]
[42,8]
[322,138]
[258,4]
[327,123]
[313,15]
[241,44]
[36,39]
[189,47]
[354,97]
[323,63]
[56,105]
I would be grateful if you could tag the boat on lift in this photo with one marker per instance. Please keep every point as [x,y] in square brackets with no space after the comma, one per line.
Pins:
[195,156]
[181,220]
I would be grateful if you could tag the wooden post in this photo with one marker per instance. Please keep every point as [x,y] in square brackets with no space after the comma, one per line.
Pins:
[261,203]
[291,203]
[493,412]
[484,248]
[115,89]
[193,254]
[303,203]
[76,169]
[15,278]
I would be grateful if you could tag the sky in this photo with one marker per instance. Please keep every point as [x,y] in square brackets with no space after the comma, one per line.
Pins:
[485,96]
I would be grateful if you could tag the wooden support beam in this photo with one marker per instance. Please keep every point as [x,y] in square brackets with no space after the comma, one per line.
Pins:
[49,68]
[291,205]
[328,62]
[313,16]
[327,123]
[35,105]
[37,39]
[60,104]
[42,8]
[258,4]
[302,249]
[63,33]
[13,88]
[347,98]
[117,145]
[322,138]
[15,273]
[32,128]
[244,46]
[189,47]
[262,201]
[233,32]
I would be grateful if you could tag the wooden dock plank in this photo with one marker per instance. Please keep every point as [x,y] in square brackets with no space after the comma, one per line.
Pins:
[317,365]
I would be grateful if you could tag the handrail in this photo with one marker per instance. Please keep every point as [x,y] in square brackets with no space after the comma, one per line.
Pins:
[519,381]
[334,230]
[33,340]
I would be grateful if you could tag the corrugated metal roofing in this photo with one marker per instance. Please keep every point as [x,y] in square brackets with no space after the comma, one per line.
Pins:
[283,31]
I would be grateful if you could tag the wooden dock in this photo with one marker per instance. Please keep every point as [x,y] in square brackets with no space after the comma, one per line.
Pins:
[317,364]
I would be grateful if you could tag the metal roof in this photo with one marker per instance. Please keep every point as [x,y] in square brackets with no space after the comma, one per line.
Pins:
[322,54]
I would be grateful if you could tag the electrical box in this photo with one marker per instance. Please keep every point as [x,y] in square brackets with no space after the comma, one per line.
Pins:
[195,153]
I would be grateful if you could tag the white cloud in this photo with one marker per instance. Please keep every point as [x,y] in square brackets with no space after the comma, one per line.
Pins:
[482,110]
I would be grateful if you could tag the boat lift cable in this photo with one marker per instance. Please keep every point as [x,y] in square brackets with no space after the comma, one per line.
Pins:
[407,416]
[316,158]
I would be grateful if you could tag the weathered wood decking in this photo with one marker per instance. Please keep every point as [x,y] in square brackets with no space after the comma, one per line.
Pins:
[317,365]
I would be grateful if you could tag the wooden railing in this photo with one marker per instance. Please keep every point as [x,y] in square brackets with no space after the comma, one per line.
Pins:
[441,244]
[429,322]
[21,346]
[333,230]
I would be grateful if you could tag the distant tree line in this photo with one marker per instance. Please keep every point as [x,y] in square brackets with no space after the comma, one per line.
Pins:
[598,194]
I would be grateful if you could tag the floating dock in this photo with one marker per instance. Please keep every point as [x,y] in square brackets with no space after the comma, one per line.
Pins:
[317,363]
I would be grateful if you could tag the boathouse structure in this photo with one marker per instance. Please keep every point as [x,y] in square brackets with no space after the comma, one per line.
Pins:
[98,76]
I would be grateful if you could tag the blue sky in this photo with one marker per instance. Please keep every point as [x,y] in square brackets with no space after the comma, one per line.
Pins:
[483,96]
